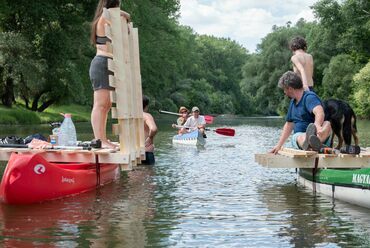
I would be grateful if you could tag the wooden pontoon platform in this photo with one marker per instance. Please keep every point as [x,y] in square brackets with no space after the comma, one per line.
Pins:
[292,158]
[109,156]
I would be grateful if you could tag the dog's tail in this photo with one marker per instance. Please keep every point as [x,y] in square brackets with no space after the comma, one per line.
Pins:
[354,127]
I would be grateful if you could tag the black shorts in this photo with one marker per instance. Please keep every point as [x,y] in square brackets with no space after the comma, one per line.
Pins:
[99,74]
[149,159]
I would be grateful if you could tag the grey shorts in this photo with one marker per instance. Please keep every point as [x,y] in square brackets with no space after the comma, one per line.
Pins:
[99,74]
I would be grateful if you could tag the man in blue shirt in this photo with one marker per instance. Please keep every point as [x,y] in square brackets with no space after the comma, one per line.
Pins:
[305,116]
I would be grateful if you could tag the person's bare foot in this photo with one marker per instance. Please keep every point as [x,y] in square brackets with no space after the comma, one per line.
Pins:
[108,145]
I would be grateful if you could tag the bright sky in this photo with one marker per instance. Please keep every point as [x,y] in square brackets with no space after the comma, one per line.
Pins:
[245,21]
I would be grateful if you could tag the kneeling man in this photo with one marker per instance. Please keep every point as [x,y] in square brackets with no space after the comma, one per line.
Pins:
[305,116]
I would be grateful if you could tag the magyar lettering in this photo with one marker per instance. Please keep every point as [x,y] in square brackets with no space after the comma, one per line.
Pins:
[361,178]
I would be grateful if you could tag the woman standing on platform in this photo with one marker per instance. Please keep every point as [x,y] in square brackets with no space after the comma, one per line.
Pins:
[99,74]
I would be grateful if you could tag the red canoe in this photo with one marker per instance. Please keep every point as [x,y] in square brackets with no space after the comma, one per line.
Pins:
[29,178]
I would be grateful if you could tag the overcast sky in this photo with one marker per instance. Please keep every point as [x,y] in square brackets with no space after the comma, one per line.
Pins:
[246,21]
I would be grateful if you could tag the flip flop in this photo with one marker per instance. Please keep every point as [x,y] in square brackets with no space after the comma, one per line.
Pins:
[315,143]
[311,130]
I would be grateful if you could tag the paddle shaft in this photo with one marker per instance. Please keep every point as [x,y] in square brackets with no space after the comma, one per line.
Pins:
[222,131]
[47,147]
[168,112]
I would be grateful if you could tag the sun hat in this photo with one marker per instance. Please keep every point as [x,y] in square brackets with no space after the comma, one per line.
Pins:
[182,108]
[195,109]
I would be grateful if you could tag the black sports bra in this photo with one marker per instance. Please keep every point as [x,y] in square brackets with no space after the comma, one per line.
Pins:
[102,40]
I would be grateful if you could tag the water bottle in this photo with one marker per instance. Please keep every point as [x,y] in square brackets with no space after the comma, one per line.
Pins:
[67,132]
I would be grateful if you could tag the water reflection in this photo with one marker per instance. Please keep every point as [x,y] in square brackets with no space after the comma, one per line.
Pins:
[215,196]
[309,220]
[114,214]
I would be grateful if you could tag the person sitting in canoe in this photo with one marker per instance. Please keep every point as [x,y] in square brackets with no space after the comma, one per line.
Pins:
[195,122]
[305,116]
[184,116]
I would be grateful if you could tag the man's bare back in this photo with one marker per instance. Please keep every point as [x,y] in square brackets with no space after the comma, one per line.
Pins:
[303,66]
[150,130]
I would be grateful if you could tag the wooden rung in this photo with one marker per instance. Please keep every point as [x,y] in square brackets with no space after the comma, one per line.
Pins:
[109,47]
[364,155]
[112,81]
[114,112]
[113,96]
[106,14]
[111,65]
[108,31]
[115,129]
[114,158]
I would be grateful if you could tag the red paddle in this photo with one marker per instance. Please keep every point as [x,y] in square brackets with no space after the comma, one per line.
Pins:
[224,131]
[208,118]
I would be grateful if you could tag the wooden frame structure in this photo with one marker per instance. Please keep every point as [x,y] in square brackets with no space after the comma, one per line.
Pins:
[127,97]
[126,101]
[292,158]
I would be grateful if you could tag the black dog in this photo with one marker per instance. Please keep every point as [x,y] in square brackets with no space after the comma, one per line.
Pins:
[343,121]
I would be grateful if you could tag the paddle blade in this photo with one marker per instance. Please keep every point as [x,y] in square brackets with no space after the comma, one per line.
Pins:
[209,119]
[225,131]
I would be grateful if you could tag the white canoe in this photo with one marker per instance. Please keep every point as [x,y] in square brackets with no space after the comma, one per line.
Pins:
[194,138]
[349,185]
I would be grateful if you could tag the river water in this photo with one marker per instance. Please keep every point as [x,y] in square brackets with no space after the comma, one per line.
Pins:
[215,196]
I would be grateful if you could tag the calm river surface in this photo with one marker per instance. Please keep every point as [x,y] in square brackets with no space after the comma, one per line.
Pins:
[215,196]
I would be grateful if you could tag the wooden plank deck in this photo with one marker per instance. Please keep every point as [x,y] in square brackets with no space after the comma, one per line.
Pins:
[291,158]
[70,155]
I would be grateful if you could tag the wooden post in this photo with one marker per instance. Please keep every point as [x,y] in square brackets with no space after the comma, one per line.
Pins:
[137,89]
[126,100]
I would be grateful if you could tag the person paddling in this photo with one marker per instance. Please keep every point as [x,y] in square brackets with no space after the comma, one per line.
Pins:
[195,122]
[182,119]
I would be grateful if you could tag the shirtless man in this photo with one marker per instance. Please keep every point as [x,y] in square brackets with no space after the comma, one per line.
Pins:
[302,62]
[150,130]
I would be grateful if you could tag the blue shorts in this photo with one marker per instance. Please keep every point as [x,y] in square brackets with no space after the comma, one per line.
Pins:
[294,143]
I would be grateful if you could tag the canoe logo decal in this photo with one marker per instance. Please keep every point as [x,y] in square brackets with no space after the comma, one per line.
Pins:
[39,169]
[67,180]
[361,178]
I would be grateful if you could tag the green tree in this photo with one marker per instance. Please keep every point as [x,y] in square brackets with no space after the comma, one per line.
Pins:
[337,81]
[361,96]
[57,33]
[263,70]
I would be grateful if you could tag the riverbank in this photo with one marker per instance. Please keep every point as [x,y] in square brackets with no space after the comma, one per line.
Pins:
[20,115]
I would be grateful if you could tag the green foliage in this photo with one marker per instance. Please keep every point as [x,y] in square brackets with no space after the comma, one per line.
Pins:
[56,40]
[339,43]
[45,56]
[337,81]
[263,70]
[361,96]
[18,115]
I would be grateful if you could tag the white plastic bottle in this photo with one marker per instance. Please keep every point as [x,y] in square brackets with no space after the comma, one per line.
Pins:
[67,133]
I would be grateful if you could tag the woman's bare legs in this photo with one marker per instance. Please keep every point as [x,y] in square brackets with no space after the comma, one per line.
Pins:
[99,115]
